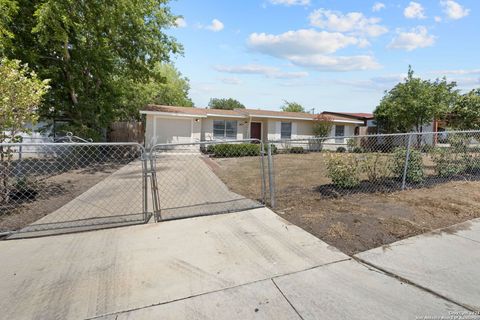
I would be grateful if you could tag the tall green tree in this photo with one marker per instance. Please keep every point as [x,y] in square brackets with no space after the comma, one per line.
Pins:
[90,50]
[414,103]
[292,107]
[170,87]
[225,104]
[166,86]
[465,114]
[21,93]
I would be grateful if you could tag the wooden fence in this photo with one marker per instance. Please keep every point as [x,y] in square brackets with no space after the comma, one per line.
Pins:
[126,132]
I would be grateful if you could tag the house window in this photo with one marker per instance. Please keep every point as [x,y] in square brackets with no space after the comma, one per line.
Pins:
[339,132]
[223,129]
[286,130]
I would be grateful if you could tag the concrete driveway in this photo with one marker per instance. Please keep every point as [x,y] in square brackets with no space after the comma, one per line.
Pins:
[114,201]
[188,187]
[245,265]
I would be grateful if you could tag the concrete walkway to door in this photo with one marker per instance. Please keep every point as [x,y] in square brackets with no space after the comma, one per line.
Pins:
[188,187]
[245,265]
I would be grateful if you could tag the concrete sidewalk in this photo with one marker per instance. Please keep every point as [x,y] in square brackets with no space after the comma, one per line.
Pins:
[245,265]
[446,262]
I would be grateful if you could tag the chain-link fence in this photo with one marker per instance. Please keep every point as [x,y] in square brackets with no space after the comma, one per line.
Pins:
[51,188]
[207,178]
[373,163]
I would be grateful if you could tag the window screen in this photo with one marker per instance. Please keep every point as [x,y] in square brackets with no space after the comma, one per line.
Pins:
[339,132]
[224,129]
[219,129]
[286,132]
[231,129]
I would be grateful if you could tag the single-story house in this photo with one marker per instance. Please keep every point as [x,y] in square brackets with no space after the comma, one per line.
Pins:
[167,124]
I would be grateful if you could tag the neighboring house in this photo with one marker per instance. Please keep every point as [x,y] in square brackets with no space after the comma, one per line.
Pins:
[166,124]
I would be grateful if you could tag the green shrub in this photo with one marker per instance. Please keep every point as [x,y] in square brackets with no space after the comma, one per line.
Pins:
[272,147]
[447,162]
[343,170]
[231,150]
[341,150]
[415,170]
[351,144]
[376,166]
[458,142]
[296,150]
[357,150]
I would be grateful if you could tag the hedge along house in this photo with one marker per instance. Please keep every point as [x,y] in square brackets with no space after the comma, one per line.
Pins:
[167,124]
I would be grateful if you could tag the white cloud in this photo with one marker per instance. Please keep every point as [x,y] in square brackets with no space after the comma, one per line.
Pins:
[215,26]
[180,22]
[291,2]
[312,49]
[467,82]
[269,72]
[232,81]
[352,22]
[438,19]
[303,41]
[335,63]
[383,82]
[457,72]
[410,40]
[454,10]
[414,11]
[378,6]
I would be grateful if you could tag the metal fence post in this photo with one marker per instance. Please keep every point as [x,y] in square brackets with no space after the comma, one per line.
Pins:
[154,186]
[271,176]
[407,159]
[262,169]
[145,184]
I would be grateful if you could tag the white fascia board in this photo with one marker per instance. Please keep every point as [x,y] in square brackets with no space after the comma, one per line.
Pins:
[226,116]
[349,121]
[278,117]
[172,114]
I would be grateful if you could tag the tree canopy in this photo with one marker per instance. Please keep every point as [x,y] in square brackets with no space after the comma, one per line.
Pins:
[292,107]
[465,114]
[225,104]
[414,103]
[21,93]
[322,125]
[91,51]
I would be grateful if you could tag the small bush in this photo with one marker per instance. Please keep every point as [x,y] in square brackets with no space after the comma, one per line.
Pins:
[343,170]
[231,150]
[341,150]
[415,170]
[376,166]
[357,150]
[447,163]
[351,144]
[296,150]
[272,146]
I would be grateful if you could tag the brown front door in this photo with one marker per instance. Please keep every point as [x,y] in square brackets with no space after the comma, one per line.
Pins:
[256,130]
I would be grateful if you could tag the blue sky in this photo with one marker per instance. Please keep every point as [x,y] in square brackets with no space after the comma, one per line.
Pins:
[325,54]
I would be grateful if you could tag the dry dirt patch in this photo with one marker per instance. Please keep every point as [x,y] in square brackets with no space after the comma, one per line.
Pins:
[53,192]
[356,222]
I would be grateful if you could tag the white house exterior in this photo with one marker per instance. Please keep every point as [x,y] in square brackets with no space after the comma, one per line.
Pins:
[166,124]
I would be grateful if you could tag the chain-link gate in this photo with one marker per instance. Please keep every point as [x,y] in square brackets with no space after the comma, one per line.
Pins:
[193,179]
[52,188]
